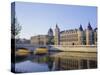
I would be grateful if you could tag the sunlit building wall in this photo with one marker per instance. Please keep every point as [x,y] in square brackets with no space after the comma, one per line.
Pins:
[76,36]
[39,40]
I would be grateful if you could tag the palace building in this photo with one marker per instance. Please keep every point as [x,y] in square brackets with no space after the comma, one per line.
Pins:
[76,36]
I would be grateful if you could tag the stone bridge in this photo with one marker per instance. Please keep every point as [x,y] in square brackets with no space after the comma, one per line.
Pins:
[30,47]
[69,48]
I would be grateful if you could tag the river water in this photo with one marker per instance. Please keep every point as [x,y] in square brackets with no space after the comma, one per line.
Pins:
[44,63]
[34,63]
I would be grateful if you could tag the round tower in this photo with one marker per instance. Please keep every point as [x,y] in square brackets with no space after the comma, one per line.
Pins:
[57,35]
[95,36]
[80,35]
[50,32]
[89,35]
[50,37]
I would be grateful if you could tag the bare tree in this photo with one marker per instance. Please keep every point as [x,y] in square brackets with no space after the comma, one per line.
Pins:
[15,27]
[15,30]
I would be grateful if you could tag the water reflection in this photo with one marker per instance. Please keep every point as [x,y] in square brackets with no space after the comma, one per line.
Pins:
[29,66]
[55,61]
[34,63]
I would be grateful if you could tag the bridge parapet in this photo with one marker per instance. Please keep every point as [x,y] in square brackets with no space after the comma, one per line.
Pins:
[74,45]
[79,48]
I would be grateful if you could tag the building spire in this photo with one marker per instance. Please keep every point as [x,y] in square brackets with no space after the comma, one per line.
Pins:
[57,26]
[89,26]
[81,28]
[50,30]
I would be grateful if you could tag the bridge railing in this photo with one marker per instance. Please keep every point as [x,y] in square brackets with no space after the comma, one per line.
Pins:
[74,45]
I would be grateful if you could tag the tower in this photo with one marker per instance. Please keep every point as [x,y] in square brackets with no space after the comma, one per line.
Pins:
[57,35]
[50,32]
[89,35]
[50,37]
[80,35]
[95,36]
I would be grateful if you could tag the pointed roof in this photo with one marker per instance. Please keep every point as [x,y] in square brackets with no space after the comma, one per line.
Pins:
[57,26]
[95,29]
[50,30]
[81,28]
[89,26]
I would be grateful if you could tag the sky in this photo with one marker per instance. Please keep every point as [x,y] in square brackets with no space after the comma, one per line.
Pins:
[38,18]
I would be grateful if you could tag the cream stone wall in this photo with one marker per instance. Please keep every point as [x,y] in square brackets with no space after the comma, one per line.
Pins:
[76,37]
[39,40]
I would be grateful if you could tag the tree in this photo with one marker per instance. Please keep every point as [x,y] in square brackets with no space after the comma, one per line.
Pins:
[15,27]
[15,30]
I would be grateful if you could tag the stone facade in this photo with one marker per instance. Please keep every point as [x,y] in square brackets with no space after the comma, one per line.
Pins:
[76,36]
[43,39]
[39,40]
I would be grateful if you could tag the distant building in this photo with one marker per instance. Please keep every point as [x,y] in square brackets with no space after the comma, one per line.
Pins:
[67,37]
[39,40]
[76,36]
[43,39]
[22,41]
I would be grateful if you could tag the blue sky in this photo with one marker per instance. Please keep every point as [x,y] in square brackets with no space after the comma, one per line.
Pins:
[37,18]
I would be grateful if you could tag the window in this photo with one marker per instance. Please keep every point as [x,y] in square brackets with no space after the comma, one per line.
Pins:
[92,64]
[83,64]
